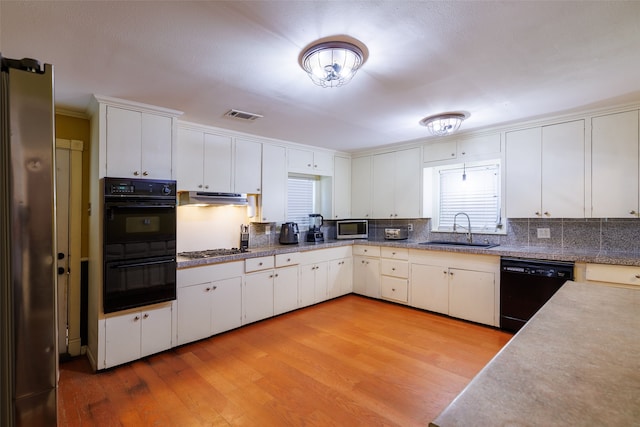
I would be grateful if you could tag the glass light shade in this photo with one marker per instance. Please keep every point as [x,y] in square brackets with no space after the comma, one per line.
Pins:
[443,124]
[332,64]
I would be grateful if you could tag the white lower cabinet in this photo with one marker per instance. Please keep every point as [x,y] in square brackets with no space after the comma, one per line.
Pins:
[137,334]
[366,270]
[459,285]
[394,270]
[313,283]
[209,300]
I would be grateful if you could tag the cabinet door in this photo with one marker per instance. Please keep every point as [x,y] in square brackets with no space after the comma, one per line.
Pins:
[340,277]
[323,163]
[563,170]
[342,188]
[157,138]
[472,296]
[407,184]
[156,331]
[274,184]
[300,161]
[440,151]
[614,169]
[430,288]
[248,167]
[189,160]
[258,296]
[320,281]
[194,312]
[479,147]
[217,163]
[226,305]
[366,276]
[361,187]
[285,290]
[307,285]
[122,334]
[124,133]
[523,173]
[383,181]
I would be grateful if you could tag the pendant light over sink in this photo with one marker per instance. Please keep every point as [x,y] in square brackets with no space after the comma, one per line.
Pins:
[444,124]
[333,62]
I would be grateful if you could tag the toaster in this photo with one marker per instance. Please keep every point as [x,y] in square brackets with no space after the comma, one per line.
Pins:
[396,233]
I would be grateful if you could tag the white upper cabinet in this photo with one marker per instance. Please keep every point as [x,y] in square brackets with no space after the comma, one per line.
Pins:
[396,180]
[342,188]
[247,166]
[361,187]
[309,162]
[544,169]
[274,184]
[203,161]
[138,144]
[614,170]
[465,148]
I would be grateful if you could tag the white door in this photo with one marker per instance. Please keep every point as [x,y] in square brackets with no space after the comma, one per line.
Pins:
[68,223]
[63,162]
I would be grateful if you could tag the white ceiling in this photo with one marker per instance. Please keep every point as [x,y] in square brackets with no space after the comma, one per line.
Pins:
[500,61]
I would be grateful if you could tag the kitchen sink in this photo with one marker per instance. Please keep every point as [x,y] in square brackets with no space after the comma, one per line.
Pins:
[460,244]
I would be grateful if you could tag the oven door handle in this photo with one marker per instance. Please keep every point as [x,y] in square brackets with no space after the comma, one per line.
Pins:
[134,206]
[142,264]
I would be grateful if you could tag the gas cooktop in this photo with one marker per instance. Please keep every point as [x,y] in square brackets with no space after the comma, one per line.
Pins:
[212,253]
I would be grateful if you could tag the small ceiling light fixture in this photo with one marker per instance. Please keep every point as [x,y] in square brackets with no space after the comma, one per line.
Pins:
[333,62]
[444,124]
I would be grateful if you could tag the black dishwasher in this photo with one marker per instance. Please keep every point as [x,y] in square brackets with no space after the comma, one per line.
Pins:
[526,285]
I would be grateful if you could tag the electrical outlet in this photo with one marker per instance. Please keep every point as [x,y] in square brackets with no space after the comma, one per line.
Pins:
[544,233]
[267,230]
[410,227]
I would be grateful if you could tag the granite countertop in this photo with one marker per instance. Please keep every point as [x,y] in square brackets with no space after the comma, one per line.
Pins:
[576,362]
[589,256]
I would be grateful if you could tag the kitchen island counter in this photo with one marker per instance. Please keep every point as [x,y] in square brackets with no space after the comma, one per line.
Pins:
[574,363]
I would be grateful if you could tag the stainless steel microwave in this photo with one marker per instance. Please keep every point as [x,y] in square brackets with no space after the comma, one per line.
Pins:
[352,229]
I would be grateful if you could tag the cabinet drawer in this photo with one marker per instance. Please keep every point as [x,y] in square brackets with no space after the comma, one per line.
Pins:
[394,288]
[197,275]
[396,268]
[257,264]
[620,274]
[394,253]
[283,260]
[366,250]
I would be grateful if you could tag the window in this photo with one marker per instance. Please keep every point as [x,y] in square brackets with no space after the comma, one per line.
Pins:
[473,189]
[301,199]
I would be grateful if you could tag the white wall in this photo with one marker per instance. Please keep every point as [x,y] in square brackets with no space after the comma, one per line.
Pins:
[210,227]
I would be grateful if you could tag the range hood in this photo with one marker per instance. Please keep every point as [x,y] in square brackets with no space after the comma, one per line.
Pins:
[203,198]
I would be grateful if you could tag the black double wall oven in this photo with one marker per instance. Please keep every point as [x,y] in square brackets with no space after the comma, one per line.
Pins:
[139,239]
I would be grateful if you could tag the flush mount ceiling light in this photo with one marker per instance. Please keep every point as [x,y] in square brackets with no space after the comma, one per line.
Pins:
[443,124]
[332,63]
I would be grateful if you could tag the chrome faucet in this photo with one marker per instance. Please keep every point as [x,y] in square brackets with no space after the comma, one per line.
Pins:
[468,227]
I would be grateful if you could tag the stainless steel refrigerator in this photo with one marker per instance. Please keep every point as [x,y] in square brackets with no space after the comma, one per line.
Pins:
[28,318]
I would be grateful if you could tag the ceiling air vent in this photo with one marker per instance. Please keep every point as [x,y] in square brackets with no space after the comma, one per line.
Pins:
[242,115]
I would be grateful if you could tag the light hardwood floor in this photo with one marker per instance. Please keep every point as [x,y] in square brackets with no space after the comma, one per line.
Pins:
[352,361]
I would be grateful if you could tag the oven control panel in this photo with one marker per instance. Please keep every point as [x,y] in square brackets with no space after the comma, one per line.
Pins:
[127,187]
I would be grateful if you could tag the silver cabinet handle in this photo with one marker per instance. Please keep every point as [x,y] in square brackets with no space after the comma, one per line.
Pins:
[145,173]
[136,173]
[135,319]
[145,316]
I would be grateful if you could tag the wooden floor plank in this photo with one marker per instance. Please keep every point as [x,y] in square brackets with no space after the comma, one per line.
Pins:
[350,361]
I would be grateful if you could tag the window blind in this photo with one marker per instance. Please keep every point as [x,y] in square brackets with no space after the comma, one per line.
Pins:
[477,195]
[300,200]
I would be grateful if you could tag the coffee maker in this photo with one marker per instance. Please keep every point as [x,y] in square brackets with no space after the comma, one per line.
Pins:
[314,235]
